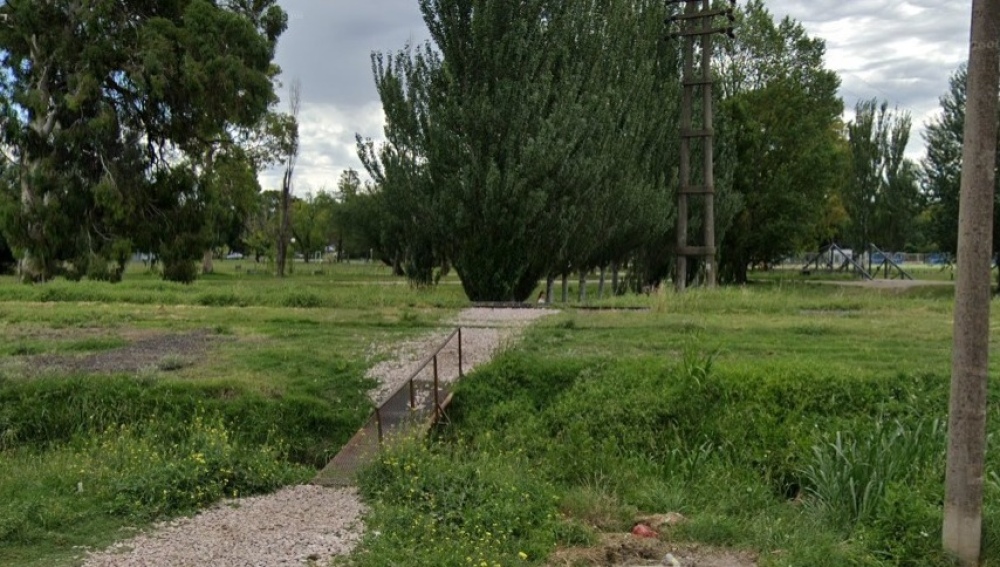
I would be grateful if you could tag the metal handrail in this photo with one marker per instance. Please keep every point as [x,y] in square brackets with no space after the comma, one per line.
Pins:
[428,360]
[432,358]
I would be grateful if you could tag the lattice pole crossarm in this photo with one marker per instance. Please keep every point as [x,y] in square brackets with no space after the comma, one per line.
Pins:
[697,22]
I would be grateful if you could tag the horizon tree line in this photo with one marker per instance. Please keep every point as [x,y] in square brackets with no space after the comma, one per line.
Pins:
[524,142]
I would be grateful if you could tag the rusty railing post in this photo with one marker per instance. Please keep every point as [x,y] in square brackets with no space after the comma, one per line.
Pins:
[437,405]
[461,373]
[378,424]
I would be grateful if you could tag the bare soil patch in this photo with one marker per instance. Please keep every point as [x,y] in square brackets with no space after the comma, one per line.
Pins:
[627,550]
[160,351]
[898,284]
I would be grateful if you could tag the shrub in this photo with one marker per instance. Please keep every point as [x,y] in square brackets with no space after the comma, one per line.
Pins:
[104,270]
[849,477]
[179,270]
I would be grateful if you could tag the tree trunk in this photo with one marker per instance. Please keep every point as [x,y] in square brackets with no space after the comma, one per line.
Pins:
[207,265]
[615,281]
[550,283]
[963,503]
[31,267]
[284,227]
[565,288]
[600,284]
[583,286]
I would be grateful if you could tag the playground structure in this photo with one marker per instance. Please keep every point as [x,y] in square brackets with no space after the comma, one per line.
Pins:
[870,264]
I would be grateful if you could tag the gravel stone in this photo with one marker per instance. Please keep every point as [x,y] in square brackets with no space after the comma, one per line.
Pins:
[485,332]
[291,527]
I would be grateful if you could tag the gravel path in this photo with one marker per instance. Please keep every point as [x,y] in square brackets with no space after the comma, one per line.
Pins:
[293,526]
[484,333]
[307,525]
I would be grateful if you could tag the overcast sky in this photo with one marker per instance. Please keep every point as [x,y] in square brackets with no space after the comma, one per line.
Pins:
[902,51]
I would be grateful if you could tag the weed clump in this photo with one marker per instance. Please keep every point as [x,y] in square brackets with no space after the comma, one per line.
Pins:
[147,472]
[442,506]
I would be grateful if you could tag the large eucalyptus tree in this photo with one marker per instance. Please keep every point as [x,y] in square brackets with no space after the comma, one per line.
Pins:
[111,111]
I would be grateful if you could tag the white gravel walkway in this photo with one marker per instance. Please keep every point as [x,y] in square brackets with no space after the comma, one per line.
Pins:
[306,525]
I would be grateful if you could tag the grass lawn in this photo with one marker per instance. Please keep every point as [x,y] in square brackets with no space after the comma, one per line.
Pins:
[801,422]
[236,384]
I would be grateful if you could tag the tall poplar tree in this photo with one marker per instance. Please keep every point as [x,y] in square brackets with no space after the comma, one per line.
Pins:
[516,129]
[881,196]
[942,167]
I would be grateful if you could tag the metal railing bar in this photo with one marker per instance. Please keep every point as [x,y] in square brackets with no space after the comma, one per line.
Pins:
[423,365]
[437,404]
[378,424]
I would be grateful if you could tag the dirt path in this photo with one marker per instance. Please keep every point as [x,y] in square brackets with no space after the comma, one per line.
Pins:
[306,525]
[885,284]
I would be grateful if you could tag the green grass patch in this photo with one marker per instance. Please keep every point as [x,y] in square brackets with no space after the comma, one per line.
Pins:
[799,421]
[81,494]
[276,390]
[444,506]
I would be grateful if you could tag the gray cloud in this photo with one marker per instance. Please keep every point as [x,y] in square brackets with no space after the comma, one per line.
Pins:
[328,48]
[328,44]
[900,51]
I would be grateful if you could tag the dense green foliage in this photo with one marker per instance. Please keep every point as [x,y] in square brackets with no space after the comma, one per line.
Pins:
[882,196]
[775,420]
[489,167]
[782,113]
[116,115]
[522,138]
[943,167]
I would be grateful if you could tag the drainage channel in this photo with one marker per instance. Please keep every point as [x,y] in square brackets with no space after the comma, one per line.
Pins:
[415,406]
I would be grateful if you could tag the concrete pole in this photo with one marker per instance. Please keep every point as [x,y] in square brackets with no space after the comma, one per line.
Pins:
[963,504]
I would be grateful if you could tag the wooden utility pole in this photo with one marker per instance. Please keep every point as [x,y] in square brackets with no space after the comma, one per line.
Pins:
[963,504]
[696,26]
